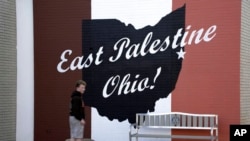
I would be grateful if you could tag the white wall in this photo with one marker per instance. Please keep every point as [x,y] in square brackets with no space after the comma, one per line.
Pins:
[139,13]
[25,71]
[106,130]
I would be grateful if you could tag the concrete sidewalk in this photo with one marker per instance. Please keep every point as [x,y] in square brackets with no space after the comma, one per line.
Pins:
[83,140]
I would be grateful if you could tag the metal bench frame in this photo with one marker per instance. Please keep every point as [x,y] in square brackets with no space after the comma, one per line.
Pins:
[175,120]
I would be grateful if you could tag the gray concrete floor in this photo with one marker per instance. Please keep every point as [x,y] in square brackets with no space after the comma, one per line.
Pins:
[83,140]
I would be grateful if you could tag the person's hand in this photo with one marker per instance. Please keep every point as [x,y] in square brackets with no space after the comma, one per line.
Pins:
[83,122]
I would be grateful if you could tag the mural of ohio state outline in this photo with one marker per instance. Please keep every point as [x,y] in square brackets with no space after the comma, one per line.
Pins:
[134,68]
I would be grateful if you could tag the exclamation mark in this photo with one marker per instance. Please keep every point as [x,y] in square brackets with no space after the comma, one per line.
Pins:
[158,72]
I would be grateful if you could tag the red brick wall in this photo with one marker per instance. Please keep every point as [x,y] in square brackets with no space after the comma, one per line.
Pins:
[210,75]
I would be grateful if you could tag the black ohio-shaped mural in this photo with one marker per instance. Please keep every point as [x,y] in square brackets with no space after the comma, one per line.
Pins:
[128,70]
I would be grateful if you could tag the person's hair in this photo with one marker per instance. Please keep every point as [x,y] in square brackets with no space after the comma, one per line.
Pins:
[80,82]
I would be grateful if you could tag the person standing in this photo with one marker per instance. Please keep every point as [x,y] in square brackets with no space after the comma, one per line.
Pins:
[77,113]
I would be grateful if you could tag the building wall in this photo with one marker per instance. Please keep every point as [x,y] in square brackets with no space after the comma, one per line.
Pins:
[245,63]
[8,70]
[25,71]
[57,27]
[153,10]
[210,79]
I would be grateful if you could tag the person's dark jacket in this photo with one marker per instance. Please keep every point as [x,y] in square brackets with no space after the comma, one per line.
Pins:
[77,110]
